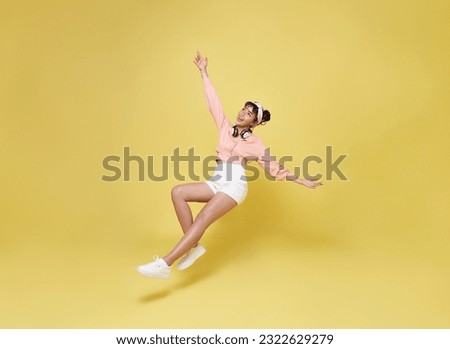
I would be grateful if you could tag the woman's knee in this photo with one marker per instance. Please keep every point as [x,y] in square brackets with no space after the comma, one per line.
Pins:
[177,192]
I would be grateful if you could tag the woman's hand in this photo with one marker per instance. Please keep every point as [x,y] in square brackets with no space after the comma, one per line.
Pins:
[201,62]
[310,183]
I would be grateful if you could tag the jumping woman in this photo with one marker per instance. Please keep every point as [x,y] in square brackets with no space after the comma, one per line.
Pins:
[227,188]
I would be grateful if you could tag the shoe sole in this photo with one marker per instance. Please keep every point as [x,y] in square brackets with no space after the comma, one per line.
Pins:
[155,276]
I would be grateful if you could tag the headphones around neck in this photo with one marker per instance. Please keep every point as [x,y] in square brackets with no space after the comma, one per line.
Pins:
[244,133]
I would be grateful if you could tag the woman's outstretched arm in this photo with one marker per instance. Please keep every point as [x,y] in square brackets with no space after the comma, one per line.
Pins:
[212,99]
[279,172]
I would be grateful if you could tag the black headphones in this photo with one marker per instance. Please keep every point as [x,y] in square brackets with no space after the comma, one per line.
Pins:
[244,133]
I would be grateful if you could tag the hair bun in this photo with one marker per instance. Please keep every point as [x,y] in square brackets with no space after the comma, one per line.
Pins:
[265,117]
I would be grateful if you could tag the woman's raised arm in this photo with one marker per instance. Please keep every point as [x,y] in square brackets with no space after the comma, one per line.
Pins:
[212,99]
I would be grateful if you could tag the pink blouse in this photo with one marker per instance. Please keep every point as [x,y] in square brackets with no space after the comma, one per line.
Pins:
[236,149]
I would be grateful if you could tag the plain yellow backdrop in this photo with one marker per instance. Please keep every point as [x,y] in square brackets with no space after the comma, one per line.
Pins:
[82,80]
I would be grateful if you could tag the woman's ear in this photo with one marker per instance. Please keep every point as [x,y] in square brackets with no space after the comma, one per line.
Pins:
[255,122]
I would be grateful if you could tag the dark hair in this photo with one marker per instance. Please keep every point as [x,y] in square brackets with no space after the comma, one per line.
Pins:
[266,113]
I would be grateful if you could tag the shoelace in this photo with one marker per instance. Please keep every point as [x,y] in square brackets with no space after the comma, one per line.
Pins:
[159,263]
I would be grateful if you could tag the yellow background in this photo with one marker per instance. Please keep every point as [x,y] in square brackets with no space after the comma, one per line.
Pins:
[81,80]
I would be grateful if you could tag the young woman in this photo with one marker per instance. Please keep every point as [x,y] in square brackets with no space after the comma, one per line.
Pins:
[227,188]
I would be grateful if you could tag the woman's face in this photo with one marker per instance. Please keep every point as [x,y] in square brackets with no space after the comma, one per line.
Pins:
[245,117]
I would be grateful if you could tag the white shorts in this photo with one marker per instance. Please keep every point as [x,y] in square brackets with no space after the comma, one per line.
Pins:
[230,179]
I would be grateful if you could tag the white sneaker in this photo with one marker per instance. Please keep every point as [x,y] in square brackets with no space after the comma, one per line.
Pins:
[190,257]
[156,269]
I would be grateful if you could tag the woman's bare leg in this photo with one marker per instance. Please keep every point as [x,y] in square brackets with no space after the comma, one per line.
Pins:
[216,207]
[184,193]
